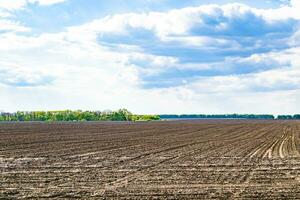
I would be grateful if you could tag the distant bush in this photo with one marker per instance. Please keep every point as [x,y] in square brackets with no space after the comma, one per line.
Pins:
[145,117]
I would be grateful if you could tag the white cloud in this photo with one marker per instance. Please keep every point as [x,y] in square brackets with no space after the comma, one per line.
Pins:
[20,4]
[18,76]
[9,25]
[12,4]
[4,14]
[46,2]
[179,21]
[295,3]
[269,81]
[295,39]
[7,7]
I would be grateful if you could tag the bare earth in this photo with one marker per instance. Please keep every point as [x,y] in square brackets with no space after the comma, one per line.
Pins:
[200,159]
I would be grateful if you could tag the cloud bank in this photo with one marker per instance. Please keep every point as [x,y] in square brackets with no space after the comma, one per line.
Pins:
[204,59]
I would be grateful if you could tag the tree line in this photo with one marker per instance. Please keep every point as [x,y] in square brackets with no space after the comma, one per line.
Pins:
[123,115]
[68,115]
[288,117]
[231,116]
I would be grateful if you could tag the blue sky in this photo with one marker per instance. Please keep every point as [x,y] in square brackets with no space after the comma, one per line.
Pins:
[151,56]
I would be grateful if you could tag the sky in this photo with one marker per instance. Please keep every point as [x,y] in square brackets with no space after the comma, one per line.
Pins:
[151,56]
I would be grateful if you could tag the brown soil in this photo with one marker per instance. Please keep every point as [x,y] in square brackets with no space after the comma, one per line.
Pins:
[200,159]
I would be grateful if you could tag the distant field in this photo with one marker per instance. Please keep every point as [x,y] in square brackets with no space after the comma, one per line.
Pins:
[190,159]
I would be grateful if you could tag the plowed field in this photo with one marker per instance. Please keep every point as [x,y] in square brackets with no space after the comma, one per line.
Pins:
[199,159]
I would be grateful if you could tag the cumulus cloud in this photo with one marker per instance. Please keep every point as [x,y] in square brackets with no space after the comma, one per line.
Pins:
[269,81]
[20,4]
[12,4]
[203,33]
[18,76]
[7,8]
[46,2]
[9,25]
[295,3]
[202,41]
[203,20]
